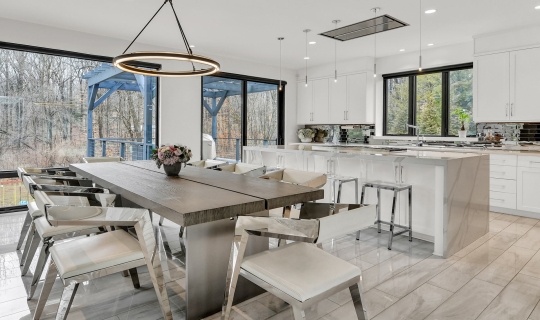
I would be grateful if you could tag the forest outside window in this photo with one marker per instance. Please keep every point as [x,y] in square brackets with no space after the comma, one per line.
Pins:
[429,100]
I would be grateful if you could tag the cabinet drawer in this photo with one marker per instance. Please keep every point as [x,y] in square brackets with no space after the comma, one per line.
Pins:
[502,185]
[503,160]
[501,199]
[502,172]
[529,161]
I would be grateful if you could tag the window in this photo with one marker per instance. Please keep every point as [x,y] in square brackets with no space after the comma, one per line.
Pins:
[240,111]
[57,107]
[428,100]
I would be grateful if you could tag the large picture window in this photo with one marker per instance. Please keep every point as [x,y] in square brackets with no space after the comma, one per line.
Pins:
[240,111]
[429,100]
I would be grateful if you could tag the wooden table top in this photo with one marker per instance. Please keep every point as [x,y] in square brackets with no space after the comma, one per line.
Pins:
[197,195]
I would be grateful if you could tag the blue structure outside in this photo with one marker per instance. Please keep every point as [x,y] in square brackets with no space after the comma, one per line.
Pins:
[106,76]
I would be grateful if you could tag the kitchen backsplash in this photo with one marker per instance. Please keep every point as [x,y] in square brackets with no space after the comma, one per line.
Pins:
[348,134]
[511,131]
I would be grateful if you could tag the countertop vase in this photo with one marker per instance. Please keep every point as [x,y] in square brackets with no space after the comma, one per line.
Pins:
[306,139]
[172,170]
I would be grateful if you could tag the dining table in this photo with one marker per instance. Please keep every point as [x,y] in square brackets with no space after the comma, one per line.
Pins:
[206,203]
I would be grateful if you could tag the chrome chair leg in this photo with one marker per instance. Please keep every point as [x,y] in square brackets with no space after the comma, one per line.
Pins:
[30,253]
[67,299]
[161,219]
[392,217]
[28,243]
[340,184]
[47,286]
[298,314]
[135,278]
[24,231]
[410,214]
[356,294]
[42,259]
[181,233]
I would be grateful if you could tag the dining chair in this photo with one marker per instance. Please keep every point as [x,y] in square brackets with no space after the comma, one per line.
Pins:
[208,164]
[44,234]
[94,257]
[300,273]
[246,169]
[101,159]
[44,171]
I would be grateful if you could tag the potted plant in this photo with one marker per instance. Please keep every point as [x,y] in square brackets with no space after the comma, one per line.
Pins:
[306,134]
[463,117]
[171,157]
[320,135]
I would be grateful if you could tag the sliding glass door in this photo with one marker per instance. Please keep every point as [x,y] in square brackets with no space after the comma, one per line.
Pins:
[240,111]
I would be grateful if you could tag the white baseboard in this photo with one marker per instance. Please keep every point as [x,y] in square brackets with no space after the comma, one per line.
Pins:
[515,212]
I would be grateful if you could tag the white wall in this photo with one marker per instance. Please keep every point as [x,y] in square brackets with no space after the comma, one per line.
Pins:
[180,98]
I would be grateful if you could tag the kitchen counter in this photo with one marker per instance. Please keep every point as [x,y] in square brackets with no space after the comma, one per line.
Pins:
[450,197]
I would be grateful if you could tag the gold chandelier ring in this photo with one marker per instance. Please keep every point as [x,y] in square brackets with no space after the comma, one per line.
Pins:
[122,63]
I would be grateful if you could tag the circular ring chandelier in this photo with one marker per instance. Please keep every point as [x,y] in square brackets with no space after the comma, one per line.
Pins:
[126,61]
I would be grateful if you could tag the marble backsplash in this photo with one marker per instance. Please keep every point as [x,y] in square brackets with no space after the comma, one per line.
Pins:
[349,134]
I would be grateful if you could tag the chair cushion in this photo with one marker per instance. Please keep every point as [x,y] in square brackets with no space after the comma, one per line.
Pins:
[45,230]
[33,210]
[95,253]
[301,270]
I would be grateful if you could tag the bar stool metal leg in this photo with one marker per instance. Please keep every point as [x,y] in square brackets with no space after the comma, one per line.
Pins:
[410,214]
[340,184]
[391,235]
[356,191]
[161,221]
[379,210]
[361,202]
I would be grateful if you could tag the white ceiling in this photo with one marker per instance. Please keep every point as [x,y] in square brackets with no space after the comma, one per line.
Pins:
[248,29]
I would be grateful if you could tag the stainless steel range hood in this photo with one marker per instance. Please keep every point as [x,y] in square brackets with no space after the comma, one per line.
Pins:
[365,28]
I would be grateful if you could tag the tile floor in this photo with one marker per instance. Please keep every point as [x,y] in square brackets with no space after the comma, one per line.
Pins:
[496,277]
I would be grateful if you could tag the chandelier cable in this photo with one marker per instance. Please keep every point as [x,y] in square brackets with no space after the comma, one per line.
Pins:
[155,14]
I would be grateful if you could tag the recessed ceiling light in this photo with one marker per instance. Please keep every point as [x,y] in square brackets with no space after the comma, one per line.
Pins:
[312,42]
[430,44]
[537,7]
[306,58]
[401,50]
[430,11]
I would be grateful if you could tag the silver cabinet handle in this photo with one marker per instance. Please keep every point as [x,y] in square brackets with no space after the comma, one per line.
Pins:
[497,199]
[502,187]
[507,109]
[344,115]
[501,172]
[347,112]
[512,109]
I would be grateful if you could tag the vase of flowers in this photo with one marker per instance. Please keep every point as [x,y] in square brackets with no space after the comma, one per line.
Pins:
[320,135]
[306,134]
[171,157]
[463,116]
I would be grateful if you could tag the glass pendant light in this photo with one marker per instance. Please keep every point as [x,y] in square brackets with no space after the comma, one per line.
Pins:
[420,58]
[124,61]
[335,22]
[306,57]
[280,39]
[375,10]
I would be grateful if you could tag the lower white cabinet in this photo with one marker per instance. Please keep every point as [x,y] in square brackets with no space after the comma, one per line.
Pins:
[502,200]
[528,189]
[502,181]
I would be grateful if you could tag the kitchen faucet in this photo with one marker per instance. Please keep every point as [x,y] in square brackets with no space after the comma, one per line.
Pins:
[417,128]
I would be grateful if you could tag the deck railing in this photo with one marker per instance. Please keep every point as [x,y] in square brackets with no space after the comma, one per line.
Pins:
[126,148]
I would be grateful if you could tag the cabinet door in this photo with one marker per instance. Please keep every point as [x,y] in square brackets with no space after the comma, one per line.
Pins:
[320,101]
[356,99]
[492,88]
[524,85]
[304,103]
[338,100]
[528,193]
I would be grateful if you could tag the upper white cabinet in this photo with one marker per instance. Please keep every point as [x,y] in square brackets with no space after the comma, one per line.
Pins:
[524,85]
[491,88]
[505,85]
[331,102]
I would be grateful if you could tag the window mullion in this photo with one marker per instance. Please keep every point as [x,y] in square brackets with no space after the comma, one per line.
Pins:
[445,117]
[412,103]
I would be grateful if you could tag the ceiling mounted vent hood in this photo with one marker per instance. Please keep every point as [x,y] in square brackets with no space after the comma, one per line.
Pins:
[365,28]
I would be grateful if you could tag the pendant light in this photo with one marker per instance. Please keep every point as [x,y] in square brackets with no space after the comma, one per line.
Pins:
[375,10]
[306,31]
[280,39]
[420,58]
[335,22]
[122,61]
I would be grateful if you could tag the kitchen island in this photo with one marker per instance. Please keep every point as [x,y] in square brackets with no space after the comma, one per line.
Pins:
[450,190]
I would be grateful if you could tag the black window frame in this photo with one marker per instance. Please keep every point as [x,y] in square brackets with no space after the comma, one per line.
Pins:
[411,75]
[4,174]
[245,79]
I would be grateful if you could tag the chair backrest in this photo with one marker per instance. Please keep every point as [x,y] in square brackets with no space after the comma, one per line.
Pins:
[28,181]
[304,178]
[75,199]
[21,171]
[101,159]
[243,168]
[344,221]
[207,163]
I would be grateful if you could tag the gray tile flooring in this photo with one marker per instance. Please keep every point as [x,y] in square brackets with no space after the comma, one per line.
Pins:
[496,277]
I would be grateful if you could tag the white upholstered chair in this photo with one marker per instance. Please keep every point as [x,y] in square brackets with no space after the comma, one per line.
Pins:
[252,170]
[208,164]
[101,159]
[41,232]
[101,255]
[299,273]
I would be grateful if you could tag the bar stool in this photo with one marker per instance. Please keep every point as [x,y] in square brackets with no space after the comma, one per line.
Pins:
[333,164]
[395,187]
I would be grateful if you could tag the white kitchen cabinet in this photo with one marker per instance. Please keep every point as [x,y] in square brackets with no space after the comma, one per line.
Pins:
[524,85]
[492,88]
[320,101]
[304,102]
[357,104]
[528,193]
[338,101]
